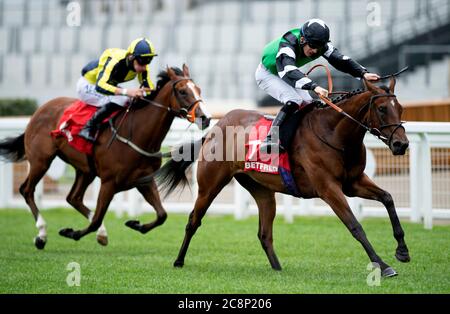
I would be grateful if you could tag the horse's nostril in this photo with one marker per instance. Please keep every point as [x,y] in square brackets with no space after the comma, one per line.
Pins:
[400,145]
[405,145]
[206,122]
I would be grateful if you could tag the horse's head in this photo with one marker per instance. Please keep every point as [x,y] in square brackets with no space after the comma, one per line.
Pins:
[185,99]
[384,117]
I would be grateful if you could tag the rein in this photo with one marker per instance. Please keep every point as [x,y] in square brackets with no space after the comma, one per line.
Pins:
[374,131]
[188,113]
[132,145]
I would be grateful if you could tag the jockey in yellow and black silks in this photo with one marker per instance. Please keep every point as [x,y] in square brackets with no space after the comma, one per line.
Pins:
[98,85]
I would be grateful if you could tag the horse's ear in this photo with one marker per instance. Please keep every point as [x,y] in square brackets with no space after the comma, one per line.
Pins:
[370,87]
[171,73]
[186,70]
[392,84]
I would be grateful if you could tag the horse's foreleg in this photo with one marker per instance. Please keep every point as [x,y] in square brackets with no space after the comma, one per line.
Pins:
[105,196]
[364,187]
[331,193]
[151,195]
[267,209]
[209,187]
[265,199]
[75,198]
[195,217]
[37,170]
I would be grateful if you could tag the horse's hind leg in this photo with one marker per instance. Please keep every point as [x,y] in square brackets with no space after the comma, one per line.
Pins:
[38,168]
[151,195]
[265,199]
[106,194]
[364,187]
[209,187]
[75,198]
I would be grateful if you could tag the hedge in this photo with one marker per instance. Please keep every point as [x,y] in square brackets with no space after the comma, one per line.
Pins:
[17,107]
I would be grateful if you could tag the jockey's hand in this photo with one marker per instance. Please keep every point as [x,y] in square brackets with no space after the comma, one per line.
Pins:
[138,92]
[321,91]
[146,91]
[371,76]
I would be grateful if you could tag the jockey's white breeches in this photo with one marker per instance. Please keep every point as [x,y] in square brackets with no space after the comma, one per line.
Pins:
[87,93]
[279,89]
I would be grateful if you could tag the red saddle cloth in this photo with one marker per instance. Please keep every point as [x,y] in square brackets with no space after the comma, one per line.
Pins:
[72,121]
[255,160]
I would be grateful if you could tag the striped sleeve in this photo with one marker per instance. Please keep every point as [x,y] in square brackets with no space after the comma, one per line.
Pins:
[145,80]
[343,63]
[285,62]
[102,85]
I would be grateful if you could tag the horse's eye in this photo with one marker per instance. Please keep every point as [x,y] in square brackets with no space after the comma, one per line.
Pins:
[382,109]
[183,92]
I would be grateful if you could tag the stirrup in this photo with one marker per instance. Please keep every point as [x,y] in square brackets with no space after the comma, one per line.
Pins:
[86,134]
[267,147]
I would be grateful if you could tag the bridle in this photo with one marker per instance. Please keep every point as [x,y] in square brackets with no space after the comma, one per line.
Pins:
[378,131]
[187,112]
[374,131]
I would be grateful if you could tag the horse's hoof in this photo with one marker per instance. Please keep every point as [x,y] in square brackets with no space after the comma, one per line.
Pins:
[277,268]
[178,263]
[389,272]
[70,233]
[39,243]
[402,257]
[76,235]
[102,240]
[66,232]
[133,224]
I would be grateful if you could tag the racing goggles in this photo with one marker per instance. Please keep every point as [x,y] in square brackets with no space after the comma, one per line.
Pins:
[144,60]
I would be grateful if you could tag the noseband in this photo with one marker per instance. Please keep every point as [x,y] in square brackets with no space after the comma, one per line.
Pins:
[185,111]
[378,131]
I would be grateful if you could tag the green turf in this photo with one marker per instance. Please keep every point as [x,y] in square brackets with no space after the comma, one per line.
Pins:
[318,255]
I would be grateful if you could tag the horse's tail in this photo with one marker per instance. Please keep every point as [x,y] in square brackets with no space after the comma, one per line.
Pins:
[172,174]
[12,149]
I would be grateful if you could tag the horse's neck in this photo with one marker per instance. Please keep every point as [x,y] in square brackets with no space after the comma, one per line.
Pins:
[152,123]
[346,131]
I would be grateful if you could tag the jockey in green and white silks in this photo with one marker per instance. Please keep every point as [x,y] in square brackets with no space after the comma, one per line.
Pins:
[279,76]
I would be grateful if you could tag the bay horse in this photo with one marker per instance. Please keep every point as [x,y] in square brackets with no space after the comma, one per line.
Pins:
[327,158]
[117,165]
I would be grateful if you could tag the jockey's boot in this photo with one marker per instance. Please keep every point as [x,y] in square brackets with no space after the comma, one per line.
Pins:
[268,145]
[90,129]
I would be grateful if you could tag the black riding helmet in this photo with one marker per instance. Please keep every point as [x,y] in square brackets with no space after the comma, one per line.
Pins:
[316,33]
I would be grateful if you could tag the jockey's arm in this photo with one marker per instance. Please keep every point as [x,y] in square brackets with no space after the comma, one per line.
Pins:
[145,80]
[103,86]
[346,64]
[286,67]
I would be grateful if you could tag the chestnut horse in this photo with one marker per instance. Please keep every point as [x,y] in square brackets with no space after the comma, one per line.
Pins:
[117,165]
[327,157]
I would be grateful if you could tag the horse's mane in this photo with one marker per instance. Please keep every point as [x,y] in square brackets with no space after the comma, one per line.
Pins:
[336,100]
[163,78]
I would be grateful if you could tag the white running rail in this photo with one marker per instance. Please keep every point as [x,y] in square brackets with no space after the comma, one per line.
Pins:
[419,181]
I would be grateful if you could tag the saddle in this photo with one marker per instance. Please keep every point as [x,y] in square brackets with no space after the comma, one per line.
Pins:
[72,122]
